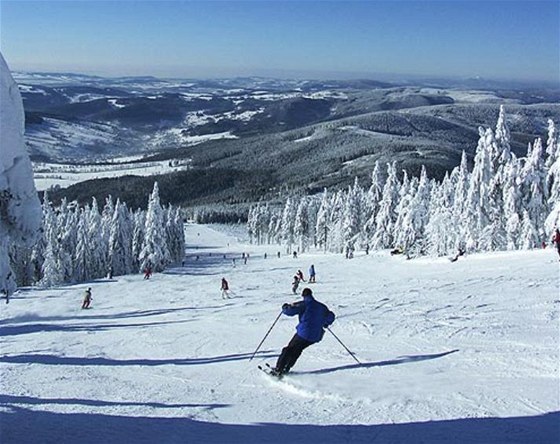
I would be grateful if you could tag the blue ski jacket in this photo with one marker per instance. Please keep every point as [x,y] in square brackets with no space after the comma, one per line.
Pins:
[313,318]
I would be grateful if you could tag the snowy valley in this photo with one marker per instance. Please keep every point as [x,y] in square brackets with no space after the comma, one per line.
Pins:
[297,134]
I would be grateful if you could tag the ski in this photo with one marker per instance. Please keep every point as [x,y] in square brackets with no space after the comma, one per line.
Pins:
[269,371]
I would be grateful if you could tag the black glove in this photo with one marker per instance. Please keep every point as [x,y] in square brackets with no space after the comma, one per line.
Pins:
[285,306]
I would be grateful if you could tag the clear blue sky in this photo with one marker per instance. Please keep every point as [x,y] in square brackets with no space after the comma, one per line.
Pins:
[493,39]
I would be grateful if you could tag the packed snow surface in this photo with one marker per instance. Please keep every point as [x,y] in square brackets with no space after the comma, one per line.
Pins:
[463,352]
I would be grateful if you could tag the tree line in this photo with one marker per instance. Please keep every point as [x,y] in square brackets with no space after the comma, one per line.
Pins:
[80,243]
[504,202]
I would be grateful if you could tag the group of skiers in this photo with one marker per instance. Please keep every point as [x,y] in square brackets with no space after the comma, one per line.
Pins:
[298,277]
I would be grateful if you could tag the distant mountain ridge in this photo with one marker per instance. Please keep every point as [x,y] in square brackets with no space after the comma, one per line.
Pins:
[304,134]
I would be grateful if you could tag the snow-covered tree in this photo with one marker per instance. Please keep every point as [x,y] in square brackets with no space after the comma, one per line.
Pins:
[478,201]
[440,233]
[372,201]
[175,234]
[351,221]
[386,216]
[154,251]
[321,226]
[288,219]
[416,218]
[533,178]
[301,226]
[120,241]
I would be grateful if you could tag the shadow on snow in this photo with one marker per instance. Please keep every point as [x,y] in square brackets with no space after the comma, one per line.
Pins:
[9,399]
[75,360]
[12,330]
[399,360]
[23,425]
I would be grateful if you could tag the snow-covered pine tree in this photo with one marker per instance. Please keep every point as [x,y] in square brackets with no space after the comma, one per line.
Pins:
[373,199]
[139,226]
[51,271]
[272,235]
[441,232]
[552,144]
[67,233]
[533,178]
[301,226]
[383,236]
[407,191]
[512,204]
[416,218]
[553,180]
[502,136]
[552,165]
[460,177]
[120,241]
[83,255]
[287,230]
[335,242]
[321,226]
[154,247]
[175,234]
[312,210]
[252,223]
[97,262]
[351,220]
[529,237]
[478,197]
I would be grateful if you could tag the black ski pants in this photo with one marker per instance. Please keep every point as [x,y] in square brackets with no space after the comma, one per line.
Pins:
[291,353]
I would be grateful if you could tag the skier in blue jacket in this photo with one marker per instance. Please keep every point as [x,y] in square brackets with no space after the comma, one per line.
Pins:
[314,317]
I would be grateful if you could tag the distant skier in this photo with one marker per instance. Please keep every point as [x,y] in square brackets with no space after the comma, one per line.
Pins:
[300,275]
[87,299]
[314,317]
[294,254]
[225,289]
[460,253]
[6,290]
[312,273]
[295,284]
[556,240]
[147,272]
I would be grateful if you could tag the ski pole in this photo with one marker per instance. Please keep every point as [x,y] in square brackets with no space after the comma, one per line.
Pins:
[265,336]
[346,348]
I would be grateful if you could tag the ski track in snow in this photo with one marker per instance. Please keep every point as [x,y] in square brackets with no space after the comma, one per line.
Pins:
[464,352]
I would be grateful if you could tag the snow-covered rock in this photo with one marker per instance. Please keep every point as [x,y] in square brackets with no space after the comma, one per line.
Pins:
[20,211]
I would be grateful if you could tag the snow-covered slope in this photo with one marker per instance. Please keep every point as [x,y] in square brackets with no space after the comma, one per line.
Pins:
[57,175]
[463,352]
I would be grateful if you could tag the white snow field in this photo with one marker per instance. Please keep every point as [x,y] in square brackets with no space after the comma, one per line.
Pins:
[463,352]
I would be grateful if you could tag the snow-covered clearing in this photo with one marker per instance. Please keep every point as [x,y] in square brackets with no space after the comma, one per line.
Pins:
[47,175]
[463,352]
